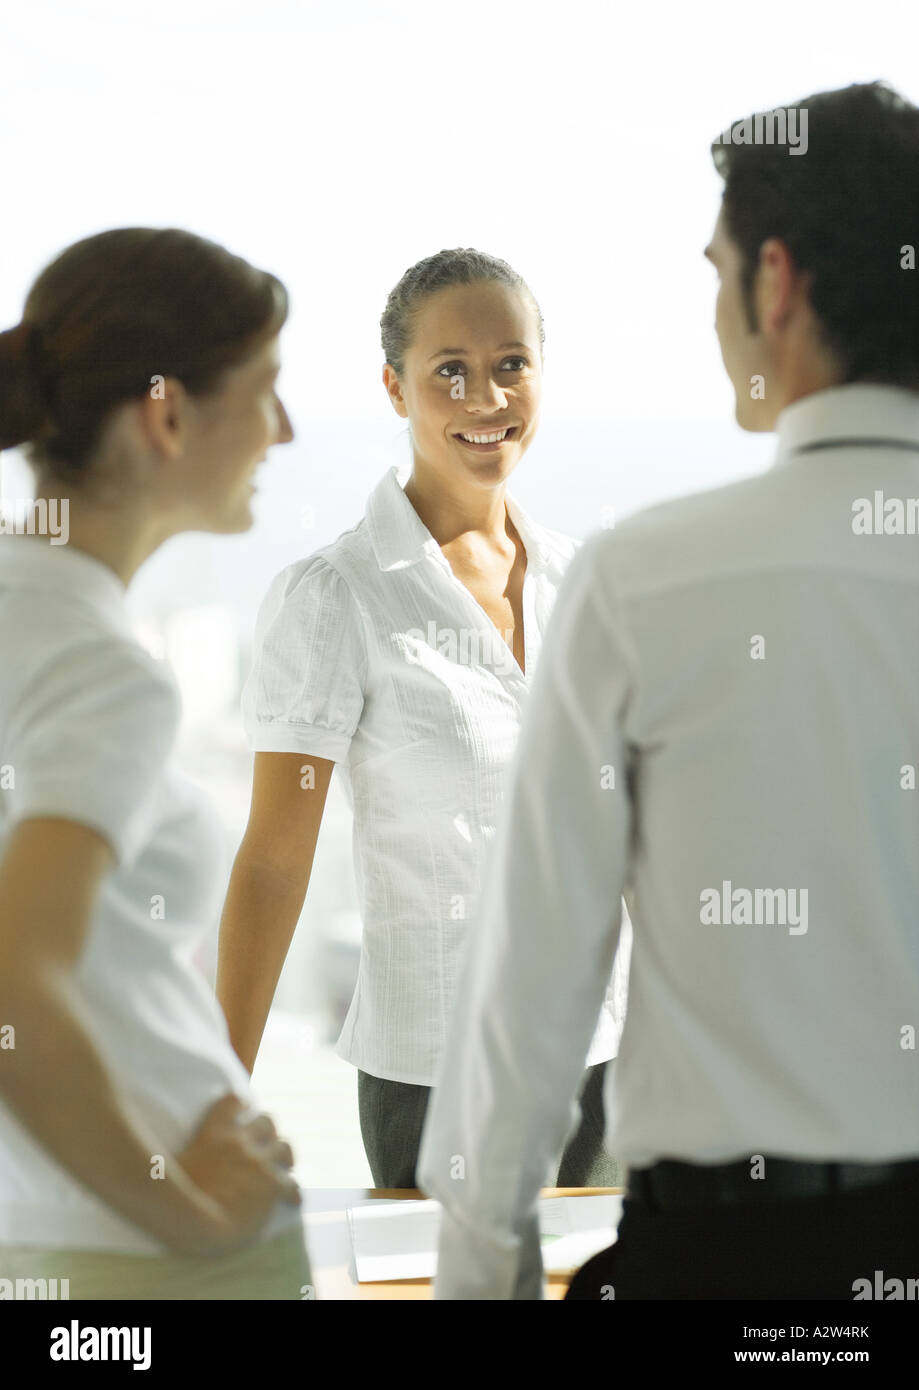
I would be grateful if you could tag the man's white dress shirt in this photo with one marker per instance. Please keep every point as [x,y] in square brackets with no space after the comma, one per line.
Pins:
[749,667]
[373,654]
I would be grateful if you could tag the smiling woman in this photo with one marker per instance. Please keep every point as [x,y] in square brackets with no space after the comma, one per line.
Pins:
[402,652]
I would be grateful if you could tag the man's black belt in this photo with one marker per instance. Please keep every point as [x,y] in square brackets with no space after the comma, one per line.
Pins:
[669,1185]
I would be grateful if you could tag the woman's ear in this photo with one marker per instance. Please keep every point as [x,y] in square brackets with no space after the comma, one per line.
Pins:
[394,391]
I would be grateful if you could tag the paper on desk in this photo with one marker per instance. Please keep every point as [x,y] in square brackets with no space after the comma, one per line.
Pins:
[398,1240]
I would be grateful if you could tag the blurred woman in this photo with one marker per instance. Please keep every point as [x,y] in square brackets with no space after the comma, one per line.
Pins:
[142,382]
[403,652]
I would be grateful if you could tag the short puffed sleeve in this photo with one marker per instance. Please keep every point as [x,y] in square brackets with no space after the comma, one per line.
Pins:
[305,692]
[88,738]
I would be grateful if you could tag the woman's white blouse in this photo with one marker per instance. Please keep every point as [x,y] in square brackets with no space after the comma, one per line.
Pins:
[371,653]
[87,723]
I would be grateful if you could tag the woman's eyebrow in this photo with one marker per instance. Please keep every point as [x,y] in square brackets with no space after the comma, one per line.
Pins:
[448,351]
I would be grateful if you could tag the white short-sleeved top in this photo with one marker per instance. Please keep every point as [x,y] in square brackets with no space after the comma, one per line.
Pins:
[87,723]
[373,654]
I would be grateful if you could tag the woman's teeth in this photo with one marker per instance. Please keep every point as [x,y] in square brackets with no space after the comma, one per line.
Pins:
[485,438]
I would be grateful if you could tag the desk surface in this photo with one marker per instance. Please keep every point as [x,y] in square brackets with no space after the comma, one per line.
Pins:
[332,1260]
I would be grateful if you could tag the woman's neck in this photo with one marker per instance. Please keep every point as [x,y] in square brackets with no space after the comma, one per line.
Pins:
[121,534]
[451,511]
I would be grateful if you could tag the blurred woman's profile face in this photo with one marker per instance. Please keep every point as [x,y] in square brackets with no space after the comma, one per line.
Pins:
[472,381]
[235,428]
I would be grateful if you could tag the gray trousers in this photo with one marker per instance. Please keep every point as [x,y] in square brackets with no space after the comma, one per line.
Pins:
[392,1115]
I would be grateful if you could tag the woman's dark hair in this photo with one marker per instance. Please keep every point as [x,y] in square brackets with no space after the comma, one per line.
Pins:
[844,206]
[447,268]
[112,312]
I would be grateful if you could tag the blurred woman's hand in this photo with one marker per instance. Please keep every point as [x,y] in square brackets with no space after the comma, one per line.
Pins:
[236,1159]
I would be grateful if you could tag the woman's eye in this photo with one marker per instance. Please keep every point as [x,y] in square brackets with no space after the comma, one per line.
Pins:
[510,364]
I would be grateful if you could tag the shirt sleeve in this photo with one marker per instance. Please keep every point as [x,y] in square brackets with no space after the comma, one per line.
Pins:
[538,963]
[305,693]
[89,740]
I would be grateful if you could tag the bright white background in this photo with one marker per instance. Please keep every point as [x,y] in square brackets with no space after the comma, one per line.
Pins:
[336,145]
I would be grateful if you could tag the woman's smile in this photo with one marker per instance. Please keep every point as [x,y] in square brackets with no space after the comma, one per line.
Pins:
[487,441]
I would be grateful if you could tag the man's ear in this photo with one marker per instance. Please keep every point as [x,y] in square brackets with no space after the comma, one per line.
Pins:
[776,283]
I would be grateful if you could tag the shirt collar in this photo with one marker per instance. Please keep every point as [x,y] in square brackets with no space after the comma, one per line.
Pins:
[399,537]
[856,411]
[31,562]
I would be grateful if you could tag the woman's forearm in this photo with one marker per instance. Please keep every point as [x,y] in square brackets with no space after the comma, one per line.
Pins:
[56,1083]
[261,912]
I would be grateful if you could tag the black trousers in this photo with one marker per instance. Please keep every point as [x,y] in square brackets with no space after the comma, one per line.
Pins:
[803,1248]
[392,1116]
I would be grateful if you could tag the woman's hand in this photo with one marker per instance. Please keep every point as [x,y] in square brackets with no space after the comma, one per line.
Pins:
[215,1197]
[237,1160]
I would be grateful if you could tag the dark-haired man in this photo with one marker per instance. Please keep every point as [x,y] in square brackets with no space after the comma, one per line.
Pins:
[747,662]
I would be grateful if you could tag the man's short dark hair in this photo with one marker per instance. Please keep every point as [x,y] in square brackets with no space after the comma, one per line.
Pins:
[844,208]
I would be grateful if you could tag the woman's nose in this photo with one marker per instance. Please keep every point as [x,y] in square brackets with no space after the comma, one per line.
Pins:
[286,429]
[485,391]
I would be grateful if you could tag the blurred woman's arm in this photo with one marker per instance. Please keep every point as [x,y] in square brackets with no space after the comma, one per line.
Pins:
[56,1082]
[267,890]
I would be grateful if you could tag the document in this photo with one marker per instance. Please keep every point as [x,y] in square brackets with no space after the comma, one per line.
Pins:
[398,1240]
